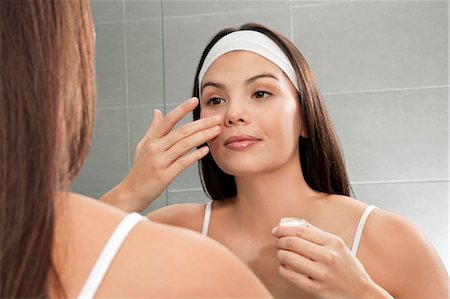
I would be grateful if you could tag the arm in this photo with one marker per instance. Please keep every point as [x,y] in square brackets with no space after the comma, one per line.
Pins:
[185,215]
[161,156]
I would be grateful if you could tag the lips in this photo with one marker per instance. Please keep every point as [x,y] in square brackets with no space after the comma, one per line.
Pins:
[241,142]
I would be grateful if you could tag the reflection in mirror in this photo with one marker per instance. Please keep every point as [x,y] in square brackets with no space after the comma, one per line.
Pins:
[385,89]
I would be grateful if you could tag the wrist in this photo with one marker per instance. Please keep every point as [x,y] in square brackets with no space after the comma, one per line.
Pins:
[120,197]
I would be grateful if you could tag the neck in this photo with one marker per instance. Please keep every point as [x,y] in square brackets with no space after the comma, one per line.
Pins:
[263,199]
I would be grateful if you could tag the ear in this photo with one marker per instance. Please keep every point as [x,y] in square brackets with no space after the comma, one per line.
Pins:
[303,133]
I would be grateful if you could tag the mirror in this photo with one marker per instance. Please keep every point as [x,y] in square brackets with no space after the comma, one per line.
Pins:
[381,66]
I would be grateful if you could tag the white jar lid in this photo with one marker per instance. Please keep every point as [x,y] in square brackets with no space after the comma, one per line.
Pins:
[292,221]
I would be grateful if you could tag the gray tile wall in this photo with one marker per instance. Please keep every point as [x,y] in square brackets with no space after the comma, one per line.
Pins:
[381,65]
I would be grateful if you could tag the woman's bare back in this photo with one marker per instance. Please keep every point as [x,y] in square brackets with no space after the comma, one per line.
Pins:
[155,260]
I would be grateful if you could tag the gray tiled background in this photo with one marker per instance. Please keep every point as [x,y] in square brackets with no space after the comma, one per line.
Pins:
[381,65]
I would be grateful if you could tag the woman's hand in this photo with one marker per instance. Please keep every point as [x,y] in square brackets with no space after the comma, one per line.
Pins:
[321,264]
[162,155]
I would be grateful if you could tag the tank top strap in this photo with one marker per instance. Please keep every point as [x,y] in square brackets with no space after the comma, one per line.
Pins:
[107,255]
[207,218]
[360,228]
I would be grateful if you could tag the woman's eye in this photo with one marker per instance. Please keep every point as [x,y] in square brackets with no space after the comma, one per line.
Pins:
[260,94]
[214,101]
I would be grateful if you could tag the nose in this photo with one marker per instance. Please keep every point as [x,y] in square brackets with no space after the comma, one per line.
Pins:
[236,114]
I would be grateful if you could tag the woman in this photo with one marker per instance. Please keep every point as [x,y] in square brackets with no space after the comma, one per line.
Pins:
[277,155]
[56,244]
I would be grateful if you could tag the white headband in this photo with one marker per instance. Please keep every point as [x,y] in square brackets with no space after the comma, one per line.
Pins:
[253,41]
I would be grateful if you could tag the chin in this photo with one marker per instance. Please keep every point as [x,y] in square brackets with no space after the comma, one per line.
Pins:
[240,168]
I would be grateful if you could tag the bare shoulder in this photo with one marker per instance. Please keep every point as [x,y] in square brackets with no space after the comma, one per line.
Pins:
[345,204]
[339,214]
[395,236]
[188,215]
[85,210]
[392,242]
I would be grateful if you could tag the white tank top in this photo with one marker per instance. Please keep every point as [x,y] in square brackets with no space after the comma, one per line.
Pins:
[356,240]
[107,255]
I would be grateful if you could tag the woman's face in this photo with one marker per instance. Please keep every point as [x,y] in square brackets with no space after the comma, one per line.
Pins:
[260,112]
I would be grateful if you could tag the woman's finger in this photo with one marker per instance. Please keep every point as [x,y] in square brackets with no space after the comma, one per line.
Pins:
[299,263]
[301,281]
[174,116]
[184,162]
[157,118]
[181,135]
[301,246]
[309,233]
[185,145]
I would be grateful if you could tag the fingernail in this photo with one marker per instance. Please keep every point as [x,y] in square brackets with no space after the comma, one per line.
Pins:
[155,112]
[192,100]
[274,230]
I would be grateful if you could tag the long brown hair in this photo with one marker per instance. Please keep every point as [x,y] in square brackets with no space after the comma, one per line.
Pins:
[46,114]
[320,155]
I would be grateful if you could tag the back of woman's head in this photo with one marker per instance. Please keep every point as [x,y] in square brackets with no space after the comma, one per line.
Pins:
[46,115]
[320,155]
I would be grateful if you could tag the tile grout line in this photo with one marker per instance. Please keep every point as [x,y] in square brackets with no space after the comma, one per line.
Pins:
[126,85]
[320,4]
[166,190]
[215,14]
[291,10]
[127,21]
[385,90]
[108,22]
[184,190]
[134,106]
[399,181]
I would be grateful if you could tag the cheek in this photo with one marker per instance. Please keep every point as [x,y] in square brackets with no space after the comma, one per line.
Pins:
[286,123]
[213,143]
[214,149]
[294,116]
[284,131]
[204,113]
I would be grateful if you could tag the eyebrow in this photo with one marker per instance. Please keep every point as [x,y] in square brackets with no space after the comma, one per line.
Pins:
[266,75]
[214,84]
[248,81]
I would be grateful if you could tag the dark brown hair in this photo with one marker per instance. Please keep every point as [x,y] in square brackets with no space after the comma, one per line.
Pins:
[320,155]
[46,115]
